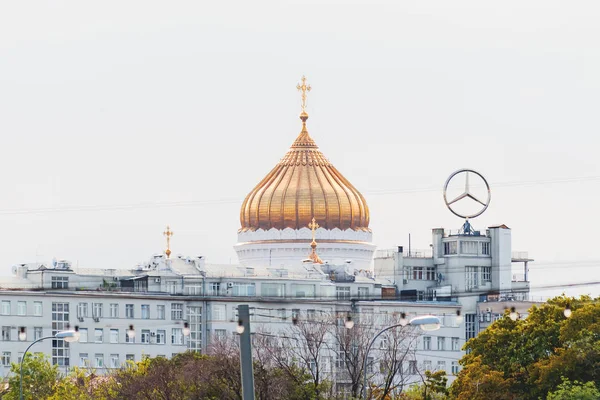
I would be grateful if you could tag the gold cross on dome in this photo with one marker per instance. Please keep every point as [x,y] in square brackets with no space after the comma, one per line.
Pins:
[304,88]
[168,233]
[313,226]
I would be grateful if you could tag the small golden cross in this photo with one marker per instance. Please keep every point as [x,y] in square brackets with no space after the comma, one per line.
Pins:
[303,88]
[168,233]
[313,226]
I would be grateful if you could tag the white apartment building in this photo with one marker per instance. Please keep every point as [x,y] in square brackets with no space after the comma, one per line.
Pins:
[473,269]
[159,297]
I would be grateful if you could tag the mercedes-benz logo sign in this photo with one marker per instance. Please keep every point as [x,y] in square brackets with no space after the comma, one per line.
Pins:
[467,194]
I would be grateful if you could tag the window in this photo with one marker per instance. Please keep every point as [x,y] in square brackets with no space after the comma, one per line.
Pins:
[454,367]
[6,333]
[310,315]
[114,336]
[129,339]
[471,278]
[172,287]
[470,326]
[99,360]
[84,360]
[37,332]
[193,289]
[214,289]
[60,322]
[145,311]
[407,272]
[220,334]
[299,290]
[176,336]
[194,318]
[83,335]
[486,274]
[468,247]
[218,312]
[114,361]
[244,289]
[5,307]
[97,310]
[450,247]
[145,336]
[37,308]
[160,312]
[295,313]
[273,289]
[160,337]
[485,248]
[98,335]
[426,342]
[441,365]
[281,313]
[427,365]
[60,282]
[82,310]
[130,357]
[129,311]
[363,292]
[412,367]
[342,292]
[441,343]
[6,358]
[455,344]
[370,361]
[417,273]
[430,274]
[176,311]
[25,334]
[21,308]
[114,310]
[384,344]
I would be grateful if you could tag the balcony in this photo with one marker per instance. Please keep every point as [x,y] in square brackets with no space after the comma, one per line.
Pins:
[520,256]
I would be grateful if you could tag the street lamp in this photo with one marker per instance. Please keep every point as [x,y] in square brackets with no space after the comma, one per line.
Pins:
[426,322]
[69,336]
[186,329]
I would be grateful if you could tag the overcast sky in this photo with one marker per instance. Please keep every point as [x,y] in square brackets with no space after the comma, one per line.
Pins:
[118,118]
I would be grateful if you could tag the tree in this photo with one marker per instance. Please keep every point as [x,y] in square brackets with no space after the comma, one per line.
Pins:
[350,347]
[529,357]
[396,347]
[39,378]
[568,390]
[434,387]
[78,385]
[478,381]
[298,351]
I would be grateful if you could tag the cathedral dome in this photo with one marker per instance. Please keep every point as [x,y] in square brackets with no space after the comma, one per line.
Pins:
[302,186]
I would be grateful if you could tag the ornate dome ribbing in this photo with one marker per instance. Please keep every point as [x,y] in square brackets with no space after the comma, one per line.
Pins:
[303,185]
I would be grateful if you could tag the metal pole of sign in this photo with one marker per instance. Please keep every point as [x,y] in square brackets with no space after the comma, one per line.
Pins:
[246,352]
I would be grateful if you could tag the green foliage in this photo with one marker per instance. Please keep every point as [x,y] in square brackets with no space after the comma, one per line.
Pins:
[526,359]
[78,385]
[39,378]
[568,390]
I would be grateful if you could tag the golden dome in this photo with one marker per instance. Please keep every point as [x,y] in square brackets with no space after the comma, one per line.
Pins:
[303,185]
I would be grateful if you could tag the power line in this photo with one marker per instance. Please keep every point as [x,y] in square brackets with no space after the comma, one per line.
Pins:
[148,205]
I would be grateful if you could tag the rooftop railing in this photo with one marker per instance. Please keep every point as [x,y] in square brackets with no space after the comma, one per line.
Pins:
[413,253]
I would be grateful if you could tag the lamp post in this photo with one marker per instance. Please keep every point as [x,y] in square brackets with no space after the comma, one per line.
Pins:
[426,322]
[69,336]
[247,372]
